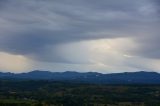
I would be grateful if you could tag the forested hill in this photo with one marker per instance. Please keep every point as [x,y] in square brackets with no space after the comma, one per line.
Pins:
[140,77]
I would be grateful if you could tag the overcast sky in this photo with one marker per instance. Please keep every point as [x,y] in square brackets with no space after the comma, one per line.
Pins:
[106,36]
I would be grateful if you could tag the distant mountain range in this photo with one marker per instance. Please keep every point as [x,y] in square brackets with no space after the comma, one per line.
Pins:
[140,77]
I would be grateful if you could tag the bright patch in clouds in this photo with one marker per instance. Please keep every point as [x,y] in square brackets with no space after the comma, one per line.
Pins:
[105,55]
[10,62]
[97,50]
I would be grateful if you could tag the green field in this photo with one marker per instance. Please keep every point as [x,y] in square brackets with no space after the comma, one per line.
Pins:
[52,93]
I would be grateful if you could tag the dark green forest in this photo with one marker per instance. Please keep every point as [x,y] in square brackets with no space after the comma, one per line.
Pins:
[54,93]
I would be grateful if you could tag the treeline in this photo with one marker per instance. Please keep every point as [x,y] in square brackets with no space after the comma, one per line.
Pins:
[53,93]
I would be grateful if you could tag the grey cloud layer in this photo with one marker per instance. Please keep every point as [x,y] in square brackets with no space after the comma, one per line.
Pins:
[30,27]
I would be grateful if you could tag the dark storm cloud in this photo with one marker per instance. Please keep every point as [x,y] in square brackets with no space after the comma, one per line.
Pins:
[29,27]
[148,42]
[157,3]
[148,46]
[158,7]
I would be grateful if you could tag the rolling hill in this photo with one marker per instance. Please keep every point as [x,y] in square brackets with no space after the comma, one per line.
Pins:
[140,77]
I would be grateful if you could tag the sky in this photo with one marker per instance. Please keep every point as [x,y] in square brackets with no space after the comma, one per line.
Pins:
[106,36]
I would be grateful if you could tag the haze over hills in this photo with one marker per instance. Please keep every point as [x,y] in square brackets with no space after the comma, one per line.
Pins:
[140,77]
